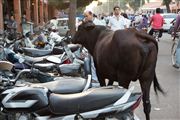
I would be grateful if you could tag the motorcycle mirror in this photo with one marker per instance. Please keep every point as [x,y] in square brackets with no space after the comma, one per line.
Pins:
[53,59]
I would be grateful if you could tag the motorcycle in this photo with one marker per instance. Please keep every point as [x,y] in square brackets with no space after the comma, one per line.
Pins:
[65,84]
[6,42]
[156,35]
[67,63]
[40,103]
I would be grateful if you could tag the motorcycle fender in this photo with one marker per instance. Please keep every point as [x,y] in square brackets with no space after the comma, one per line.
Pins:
[25,98]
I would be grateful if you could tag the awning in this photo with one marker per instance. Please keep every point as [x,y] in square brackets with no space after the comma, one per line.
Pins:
[152,5]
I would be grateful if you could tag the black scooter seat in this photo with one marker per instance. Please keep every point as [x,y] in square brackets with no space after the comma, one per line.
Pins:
[60,50]
[93,99]
[64,85]
[44,67]
[156,30]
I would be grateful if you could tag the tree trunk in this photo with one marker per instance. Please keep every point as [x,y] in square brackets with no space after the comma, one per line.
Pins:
[168,8]
[72,16]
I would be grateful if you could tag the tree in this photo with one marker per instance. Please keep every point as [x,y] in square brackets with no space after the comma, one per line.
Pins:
[135,4]
[72,16]
[167,2]
[64,4]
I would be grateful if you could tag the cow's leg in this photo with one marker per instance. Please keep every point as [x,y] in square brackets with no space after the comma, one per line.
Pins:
[126,85]
[110,82]
[101,80]
[123,80]
[145,83]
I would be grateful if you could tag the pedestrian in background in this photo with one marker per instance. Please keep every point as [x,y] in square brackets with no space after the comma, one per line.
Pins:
[117,21]
[6,19]
[176,28]
[54,23]
[88,16]
[24,23]
[12,28]
[143,23]
[128,21]
[157,22]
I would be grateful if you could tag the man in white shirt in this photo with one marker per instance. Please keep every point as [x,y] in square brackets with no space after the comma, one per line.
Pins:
[117,21]
[54,23]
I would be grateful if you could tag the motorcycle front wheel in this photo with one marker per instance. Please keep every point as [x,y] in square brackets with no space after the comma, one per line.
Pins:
[122,116]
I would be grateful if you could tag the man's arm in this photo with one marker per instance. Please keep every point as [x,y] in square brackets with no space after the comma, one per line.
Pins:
[151,19]
[109,23]
[125,23]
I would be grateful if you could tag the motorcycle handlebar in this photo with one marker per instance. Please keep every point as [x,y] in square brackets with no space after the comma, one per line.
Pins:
[17,77]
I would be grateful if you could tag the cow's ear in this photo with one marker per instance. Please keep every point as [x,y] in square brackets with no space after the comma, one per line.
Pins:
[89,25]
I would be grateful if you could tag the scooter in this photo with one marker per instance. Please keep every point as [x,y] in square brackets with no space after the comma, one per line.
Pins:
[60,85]
[40,103]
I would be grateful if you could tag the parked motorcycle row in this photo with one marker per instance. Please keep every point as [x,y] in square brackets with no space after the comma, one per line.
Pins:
[45,77]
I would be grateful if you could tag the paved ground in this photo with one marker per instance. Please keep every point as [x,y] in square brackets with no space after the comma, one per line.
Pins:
[164,107]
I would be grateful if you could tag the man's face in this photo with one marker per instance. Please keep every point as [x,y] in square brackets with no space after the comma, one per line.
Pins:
[12,17]
[87,16]
[117,11]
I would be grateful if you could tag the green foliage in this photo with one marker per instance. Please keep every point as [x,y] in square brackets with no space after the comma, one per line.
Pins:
[64,4]
[135,4]
[166,2]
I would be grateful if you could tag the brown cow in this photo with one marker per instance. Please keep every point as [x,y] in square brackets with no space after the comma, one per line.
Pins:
[122,56]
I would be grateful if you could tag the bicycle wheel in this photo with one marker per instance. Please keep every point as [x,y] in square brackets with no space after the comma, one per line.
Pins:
[173,53]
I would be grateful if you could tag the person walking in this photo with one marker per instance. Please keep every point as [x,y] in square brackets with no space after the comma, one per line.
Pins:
[157,22]
[54,23]
[6,19]
[143,23]
[117,21]
[12,28]
[176,28]
[88,16]
[24,23]
[128,21]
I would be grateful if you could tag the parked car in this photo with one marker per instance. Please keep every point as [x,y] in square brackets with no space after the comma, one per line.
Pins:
[62,25]
[168,18]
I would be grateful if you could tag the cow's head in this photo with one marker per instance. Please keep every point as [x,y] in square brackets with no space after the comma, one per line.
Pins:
[87,35]
[81,35]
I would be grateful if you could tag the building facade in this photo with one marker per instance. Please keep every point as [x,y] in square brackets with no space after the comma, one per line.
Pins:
[36,11]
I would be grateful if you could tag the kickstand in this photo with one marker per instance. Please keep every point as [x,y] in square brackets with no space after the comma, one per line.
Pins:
[78,117]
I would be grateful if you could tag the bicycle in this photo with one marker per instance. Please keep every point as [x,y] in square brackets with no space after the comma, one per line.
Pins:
[173,51]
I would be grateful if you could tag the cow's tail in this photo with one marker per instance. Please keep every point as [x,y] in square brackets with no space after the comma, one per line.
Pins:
[157,86]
